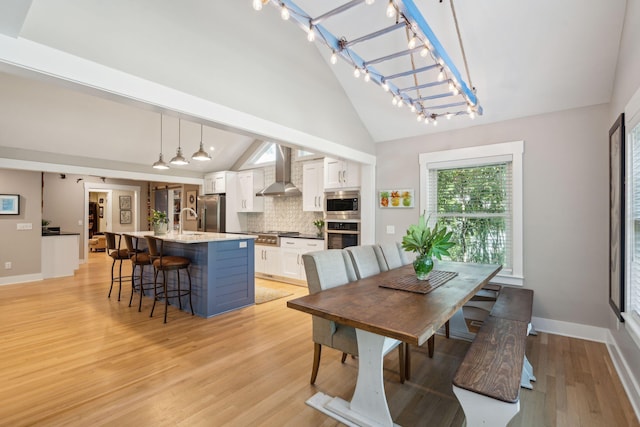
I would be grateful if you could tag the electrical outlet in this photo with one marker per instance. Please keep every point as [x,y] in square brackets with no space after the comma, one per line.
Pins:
[80,222]
[391,229]
[243,244]
[24,226]
[7,265]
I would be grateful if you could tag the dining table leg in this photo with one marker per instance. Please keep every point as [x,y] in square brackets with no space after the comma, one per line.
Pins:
[368,406]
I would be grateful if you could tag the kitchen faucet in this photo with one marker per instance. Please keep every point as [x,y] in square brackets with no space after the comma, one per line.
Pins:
[180,216]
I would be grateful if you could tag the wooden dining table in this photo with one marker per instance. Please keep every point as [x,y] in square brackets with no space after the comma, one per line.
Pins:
[377,312]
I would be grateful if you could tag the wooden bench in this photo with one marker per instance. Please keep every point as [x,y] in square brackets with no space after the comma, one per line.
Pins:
[487,382]
[517,304]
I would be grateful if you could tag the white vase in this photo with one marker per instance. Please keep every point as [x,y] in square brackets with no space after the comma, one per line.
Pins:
[160,228]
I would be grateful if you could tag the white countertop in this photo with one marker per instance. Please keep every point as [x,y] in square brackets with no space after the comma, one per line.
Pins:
[195,236]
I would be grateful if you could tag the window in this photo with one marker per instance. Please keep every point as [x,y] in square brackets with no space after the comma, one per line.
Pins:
[632,230]
[263,155]
[477,193]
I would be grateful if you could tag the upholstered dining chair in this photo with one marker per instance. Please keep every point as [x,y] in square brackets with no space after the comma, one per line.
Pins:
[393,255]
[118,255]
[325,270]
[367,260]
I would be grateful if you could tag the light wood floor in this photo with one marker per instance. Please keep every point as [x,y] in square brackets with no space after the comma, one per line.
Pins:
[70,356]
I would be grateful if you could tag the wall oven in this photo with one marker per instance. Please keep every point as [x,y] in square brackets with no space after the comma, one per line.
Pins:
[340,205]
[342,234]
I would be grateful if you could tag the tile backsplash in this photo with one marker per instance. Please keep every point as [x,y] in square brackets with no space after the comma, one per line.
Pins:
[283,213]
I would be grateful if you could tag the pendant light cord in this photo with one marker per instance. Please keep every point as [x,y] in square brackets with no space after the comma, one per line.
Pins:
[464,56]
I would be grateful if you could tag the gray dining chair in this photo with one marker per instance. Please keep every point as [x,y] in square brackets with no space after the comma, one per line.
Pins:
[367,260]
[325,270]
[393,255]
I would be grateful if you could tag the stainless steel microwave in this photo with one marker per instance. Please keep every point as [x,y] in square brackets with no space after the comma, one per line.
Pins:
[342,205]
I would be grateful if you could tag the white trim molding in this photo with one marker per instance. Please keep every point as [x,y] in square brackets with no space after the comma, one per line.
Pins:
[23,278]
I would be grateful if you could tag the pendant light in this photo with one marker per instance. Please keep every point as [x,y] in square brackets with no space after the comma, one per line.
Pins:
[201,154]
[179,158]
[160,164]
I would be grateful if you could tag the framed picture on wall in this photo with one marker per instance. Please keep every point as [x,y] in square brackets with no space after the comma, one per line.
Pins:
[191,203]
[9,204]
[616,216]
[396,198]
[125,217]
[125,202]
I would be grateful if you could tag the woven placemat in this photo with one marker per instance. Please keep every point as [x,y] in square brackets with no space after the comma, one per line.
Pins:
[409,281]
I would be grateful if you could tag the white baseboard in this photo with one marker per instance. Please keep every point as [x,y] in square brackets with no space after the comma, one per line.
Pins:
[11,280]
[568,329]
[625,373]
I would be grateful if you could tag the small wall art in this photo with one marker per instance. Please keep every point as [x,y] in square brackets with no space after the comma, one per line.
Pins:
[401,198]
[9,204]
[125,217]
[125,202]
[191,203]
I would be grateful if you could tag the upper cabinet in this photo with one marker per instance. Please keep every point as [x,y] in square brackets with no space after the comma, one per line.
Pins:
[249,183]
[341,174]
[216,182]
[313,186]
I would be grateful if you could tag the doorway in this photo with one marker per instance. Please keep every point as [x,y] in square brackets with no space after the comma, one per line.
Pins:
[118,212]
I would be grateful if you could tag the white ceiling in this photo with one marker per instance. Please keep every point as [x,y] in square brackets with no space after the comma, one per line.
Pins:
[525,58]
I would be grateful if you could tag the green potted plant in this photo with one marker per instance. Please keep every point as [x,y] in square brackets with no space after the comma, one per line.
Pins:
[319,223]
[159,221]
[427,243]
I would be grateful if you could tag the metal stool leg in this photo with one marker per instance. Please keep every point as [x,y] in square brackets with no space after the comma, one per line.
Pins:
[133,284]
[190,290]
[111,287]
[155,291]
[166,297]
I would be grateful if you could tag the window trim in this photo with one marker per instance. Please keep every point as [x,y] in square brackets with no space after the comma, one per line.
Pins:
[479,155]
[632,119]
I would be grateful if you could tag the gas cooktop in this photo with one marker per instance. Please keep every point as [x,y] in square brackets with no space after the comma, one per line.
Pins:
[272,238]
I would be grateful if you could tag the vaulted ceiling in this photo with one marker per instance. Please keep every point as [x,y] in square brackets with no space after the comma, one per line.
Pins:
[524,58]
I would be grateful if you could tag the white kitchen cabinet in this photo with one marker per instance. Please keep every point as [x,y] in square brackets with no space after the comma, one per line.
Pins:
[313,186]
[249,183]
[216,182]
[267,260]
[340,174]
[291,250]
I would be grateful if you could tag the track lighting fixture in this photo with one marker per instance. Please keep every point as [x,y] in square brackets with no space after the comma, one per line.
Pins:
[423,46]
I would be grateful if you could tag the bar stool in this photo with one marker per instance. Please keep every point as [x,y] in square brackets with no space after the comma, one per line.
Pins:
[167,263]
[117,254]
[140,258]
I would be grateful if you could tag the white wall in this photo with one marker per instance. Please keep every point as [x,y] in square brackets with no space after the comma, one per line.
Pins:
[21,248]
[565,204]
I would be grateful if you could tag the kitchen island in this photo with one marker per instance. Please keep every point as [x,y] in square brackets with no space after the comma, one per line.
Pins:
[222,269]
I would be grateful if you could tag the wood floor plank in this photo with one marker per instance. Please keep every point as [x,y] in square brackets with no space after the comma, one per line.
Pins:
[71,356]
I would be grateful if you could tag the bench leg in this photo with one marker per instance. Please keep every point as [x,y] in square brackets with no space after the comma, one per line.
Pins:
[531,330]
[527,375]
[480,410]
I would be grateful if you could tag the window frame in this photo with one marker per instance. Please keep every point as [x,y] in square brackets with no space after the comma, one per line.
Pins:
[632,120]
[477,156]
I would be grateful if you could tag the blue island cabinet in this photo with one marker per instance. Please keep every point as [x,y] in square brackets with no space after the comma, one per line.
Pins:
[222,274]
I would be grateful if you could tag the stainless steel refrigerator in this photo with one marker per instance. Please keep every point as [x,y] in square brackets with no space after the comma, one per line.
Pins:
[211,213]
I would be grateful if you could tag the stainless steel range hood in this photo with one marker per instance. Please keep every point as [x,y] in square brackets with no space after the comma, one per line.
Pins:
[283,186]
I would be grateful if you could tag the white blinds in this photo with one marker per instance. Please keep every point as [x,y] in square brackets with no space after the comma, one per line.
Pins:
[634,285]
[476,202]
